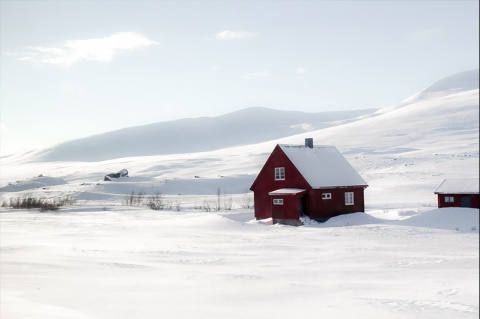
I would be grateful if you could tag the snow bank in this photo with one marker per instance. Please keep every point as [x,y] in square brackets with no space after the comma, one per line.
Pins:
[354,219]
[459,219]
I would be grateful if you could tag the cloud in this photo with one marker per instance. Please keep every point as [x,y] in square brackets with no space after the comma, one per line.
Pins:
[233,35]
[98,49]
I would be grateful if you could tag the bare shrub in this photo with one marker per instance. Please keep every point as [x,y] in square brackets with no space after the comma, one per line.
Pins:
[246,201]
[227,203]
[207,206]
[134,199]
[139,198]
[218,203]
[129,199]
[67,200]
[30,202]
[156,201]
[177,205]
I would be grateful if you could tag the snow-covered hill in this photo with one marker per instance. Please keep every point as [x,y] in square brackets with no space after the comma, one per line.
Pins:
[248,126]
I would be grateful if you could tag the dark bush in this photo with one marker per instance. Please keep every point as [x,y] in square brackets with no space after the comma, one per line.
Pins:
[29,202]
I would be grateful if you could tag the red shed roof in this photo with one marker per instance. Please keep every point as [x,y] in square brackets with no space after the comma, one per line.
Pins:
[459,186]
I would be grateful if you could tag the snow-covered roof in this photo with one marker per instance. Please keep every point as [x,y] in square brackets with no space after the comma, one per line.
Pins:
[323,166]
[287,191]
[459,186]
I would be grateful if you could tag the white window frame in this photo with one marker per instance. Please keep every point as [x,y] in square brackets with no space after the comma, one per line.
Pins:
[449,199]
[349,198]
[278,201]
[279,173]
[326,195]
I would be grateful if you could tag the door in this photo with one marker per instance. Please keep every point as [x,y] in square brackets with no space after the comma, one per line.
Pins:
[304,208]
[466,201]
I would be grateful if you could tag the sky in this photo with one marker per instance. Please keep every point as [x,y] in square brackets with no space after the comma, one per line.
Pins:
[72,69]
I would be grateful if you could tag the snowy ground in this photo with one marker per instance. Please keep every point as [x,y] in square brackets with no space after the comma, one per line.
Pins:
[86,262]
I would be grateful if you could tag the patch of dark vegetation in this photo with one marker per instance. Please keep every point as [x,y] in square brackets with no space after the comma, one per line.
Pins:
[44,204]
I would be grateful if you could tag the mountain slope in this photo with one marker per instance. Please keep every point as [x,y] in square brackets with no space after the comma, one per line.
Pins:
[402,153]
[251,125]
[410,149]
[459,82]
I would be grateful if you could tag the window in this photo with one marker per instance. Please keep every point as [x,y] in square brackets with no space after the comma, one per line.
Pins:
[449,199]
[279,173]
[349,198]
[277,201]
[327,196]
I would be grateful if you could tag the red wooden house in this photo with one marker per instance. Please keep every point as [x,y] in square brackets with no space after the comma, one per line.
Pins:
[463,192]
[316,181]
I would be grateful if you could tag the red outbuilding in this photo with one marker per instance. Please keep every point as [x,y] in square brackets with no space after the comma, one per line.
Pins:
[462,192]
[316,181]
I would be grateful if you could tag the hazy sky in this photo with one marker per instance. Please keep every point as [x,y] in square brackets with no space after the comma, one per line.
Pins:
[70,69]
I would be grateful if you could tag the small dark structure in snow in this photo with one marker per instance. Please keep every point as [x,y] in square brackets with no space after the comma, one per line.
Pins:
[316,181]
[122,173]
[461,192]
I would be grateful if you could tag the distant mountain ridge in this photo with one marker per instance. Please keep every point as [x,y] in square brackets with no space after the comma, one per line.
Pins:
[247,126]
[258,124]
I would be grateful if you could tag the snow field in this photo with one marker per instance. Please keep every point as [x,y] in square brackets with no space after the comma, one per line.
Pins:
[145,264]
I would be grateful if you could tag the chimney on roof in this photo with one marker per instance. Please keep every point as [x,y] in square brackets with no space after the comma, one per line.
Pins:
[309,142]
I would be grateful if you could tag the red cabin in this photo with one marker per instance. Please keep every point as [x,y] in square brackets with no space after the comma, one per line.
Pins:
[316,181]
[462,192]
